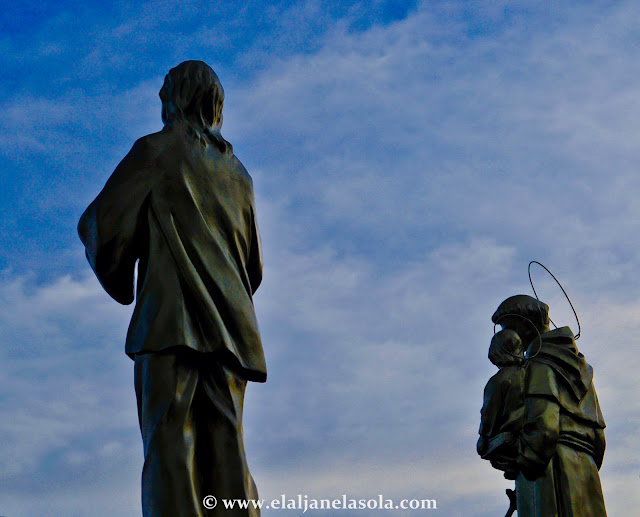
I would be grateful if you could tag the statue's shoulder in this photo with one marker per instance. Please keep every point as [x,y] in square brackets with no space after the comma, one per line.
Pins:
[158,152]
[142,153]
[231,166]
[154,143]
[506,378]
[541,379]
[237,164]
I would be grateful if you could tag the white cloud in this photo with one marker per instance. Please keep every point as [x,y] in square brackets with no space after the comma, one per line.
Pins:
[68,391]
[405,175]
[391,134]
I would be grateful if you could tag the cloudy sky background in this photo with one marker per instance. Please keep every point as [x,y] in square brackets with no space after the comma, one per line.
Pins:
[409,160]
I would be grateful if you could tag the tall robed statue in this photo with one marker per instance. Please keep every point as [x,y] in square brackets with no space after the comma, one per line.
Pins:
[541,422]
[181,206]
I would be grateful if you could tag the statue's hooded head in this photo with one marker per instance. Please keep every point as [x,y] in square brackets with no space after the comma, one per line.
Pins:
[524,314]
[192,95]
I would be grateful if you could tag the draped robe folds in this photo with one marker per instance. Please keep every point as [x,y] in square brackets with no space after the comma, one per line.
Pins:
[561,445]
[186,212]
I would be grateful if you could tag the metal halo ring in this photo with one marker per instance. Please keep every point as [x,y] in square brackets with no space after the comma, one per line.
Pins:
[576,336]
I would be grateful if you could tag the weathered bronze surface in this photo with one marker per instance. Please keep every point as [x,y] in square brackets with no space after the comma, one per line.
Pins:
[541,421]
[182,205]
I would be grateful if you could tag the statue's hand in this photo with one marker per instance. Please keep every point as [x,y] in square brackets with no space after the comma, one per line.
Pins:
[482,445]
[507,464]
[511,474]
[500,464]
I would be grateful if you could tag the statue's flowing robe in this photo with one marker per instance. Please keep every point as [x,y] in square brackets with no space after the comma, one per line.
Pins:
[562,443]
[186,212]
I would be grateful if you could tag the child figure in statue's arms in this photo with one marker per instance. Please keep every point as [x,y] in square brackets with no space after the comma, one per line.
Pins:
[502,413]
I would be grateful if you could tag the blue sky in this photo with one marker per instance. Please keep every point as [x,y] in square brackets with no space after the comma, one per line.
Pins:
[409,159]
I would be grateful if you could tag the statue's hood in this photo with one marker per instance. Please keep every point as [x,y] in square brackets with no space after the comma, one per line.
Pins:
[560,352]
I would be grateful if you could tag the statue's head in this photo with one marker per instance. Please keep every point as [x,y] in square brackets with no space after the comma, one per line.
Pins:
[506,348]
[523,314]
[192,94]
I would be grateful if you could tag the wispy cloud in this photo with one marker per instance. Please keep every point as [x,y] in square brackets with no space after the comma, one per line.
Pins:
[406,170]
[68,404]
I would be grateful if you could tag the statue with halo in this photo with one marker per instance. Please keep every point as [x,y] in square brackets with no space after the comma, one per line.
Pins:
[541,422]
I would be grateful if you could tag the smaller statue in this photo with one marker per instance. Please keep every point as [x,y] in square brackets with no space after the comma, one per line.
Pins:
[503,411]
[541,422]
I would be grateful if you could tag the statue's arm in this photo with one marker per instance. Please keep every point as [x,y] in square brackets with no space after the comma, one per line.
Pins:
[483,441]
[254,265]
[482,445]
[490,404]
[493,445]
[600,446]
[539,435]
[109,227]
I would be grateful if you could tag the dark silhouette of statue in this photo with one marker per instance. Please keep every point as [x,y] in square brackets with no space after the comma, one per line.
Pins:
[503,411]
[541,420]
[181,205]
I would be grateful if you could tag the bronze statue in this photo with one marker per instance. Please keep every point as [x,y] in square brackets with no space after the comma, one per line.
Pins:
[182,205]
[551,441]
